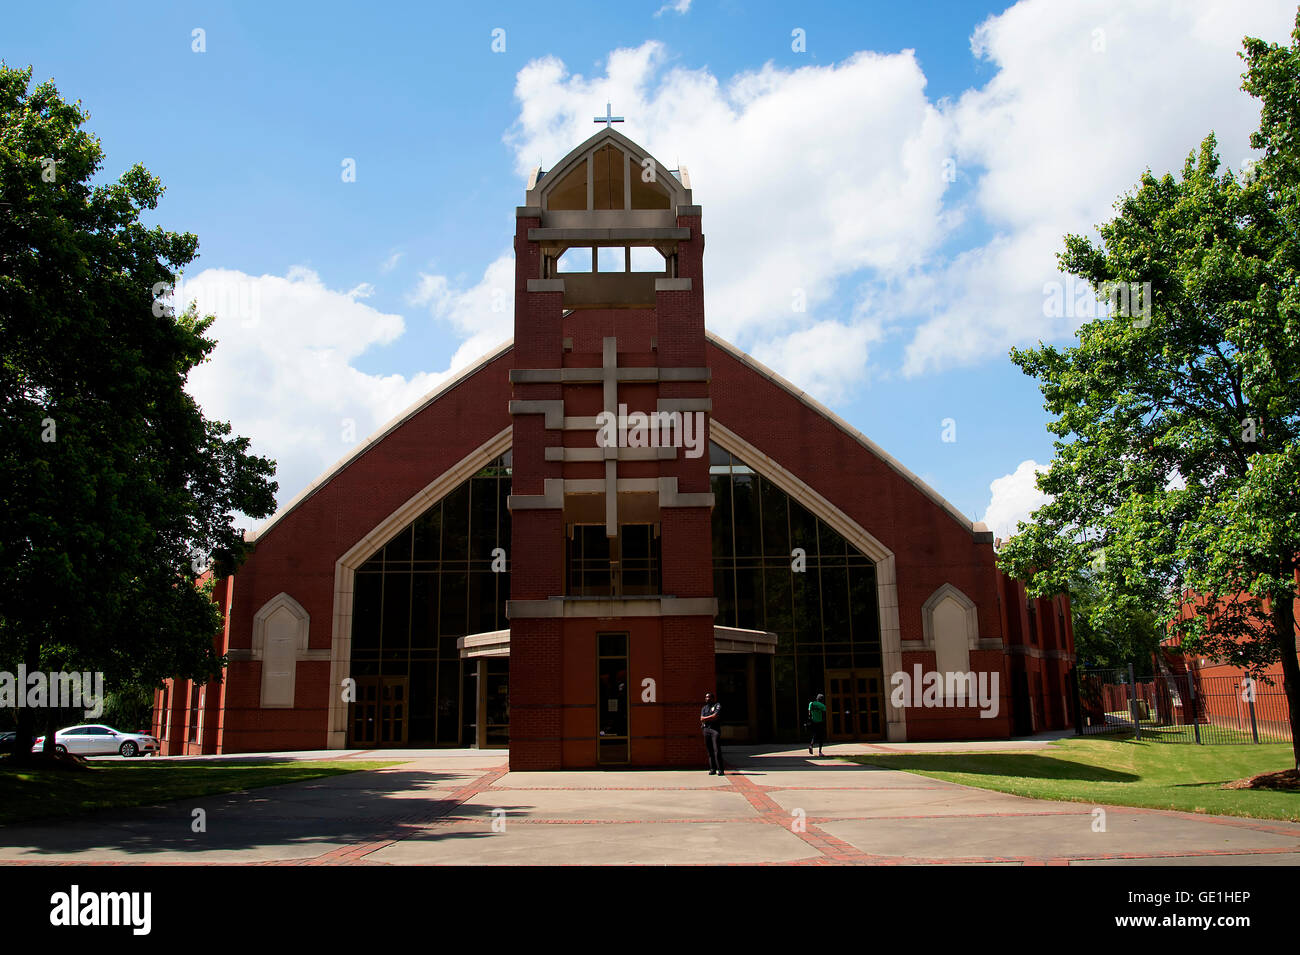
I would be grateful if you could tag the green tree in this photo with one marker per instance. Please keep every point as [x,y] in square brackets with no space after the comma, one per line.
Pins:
[111,479]
[1177,453]
[1110,629]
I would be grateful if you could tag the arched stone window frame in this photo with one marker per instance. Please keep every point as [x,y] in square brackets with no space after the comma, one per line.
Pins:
[281,601]
[883,558]
[345,568]
[942,593]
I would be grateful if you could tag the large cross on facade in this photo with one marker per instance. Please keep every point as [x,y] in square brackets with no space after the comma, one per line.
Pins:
[608,119]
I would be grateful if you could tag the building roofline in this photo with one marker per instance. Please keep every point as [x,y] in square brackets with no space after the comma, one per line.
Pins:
[384,431]
[973,527]
[679,190]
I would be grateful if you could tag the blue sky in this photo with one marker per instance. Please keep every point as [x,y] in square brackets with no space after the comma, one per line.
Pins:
[817,170]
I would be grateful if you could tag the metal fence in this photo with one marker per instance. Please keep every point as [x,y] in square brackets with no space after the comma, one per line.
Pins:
[1181,707]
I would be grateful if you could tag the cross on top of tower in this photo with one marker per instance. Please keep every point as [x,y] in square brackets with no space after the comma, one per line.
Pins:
[608,119]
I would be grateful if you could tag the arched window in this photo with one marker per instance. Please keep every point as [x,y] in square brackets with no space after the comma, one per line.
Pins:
[950,625]
[778,567]
[440,578]
[281,630]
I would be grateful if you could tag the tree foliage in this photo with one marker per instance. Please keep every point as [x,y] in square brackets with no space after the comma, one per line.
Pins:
[1111,630]
[1177,458]
[111,478]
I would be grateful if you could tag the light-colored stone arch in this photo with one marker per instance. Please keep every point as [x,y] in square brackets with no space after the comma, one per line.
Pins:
[346,566]
[950,627]
[281,632]
[557,178]
[855,534]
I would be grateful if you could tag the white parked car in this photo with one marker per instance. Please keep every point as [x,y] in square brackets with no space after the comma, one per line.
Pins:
[99,740]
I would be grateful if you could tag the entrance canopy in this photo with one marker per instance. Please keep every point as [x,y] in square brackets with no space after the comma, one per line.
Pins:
[496,643]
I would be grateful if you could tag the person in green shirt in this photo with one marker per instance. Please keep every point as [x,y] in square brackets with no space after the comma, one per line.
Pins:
[817,724]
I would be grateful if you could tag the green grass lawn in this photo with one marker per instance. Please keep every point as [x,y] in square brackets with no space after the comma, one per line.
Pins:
[1119,772]
[34,793]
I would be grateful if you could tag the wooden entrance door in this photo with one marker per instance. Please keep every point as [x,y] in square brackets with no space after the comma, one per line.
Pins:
[855,704]
[378,717]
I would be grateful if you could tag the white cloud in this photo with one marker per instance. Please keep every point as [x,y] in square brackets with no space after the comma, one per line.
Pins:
[284,372]
[1013,497]
[482,316]
[827,360]
[676,6]
[807,176]
[823,183]
[1084,98]
[821,177]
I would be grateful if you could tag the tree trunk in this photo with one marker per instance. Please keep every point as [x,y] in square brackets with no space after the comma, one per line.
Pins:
[1284,636]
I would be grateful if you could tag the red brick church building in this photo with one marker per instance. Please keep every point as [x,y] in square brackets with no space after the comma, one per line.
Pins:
[566,545]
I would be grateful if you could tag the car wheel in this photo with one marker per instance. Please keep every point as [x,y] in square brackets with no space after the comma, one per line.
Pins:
[60,749]
[129,749]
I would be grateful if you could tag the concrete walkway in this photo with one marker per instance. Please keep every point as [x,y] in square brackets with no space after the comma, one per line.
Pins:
[776,807]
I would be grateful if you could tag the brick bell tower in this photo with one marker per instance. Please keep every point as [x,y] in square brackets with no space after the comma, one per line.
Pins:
[612,608]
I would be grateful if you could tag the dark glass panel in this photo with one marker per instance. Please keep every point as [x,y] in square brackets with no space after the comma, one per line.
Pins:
[424,609]
[749,595]
[448,702]
[366,605]
[867,656]
[396,631]
[718,457]
[611,644]
[503,518]
[862,606]
[588,560]
[835,605]
[724,589]
[455,524]
[469,703]
[428,531]
[807,608]
[496,468]
[778,597]
[733,687]
[483,518]
[364,666]
[788,716]
[803,529]
[776,532]
[811,677]
[832,546]
[452,608]
[497,697]
[482,602]
[397,553]
[722,520]
[745,502]
[638,559]
[839,656]
[612,696]
[423,701]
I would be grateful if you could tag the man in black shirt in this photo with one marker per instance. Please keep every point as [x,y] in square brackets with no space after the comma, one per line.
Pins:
[711,724]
